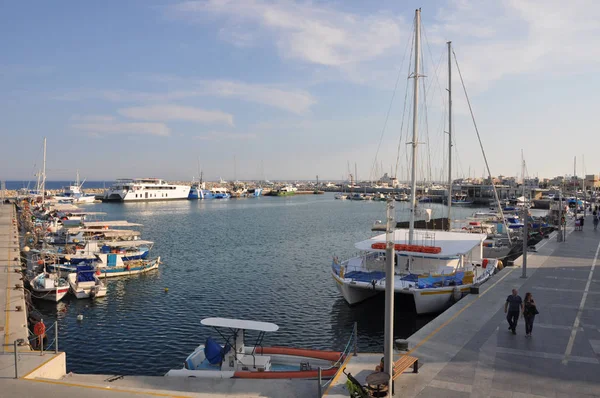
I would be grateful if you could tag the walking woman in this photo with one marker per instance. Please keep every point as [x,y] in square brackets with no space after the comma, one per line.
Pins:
[529,313]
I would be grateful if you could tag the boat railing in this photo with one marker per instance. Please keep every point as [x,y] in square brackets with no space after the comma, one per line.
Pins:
[40,341]
[340,364]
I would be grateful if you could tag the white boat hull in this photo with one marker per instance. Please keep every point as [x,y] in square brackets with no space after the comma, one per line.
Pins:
[84,290]
[426,300]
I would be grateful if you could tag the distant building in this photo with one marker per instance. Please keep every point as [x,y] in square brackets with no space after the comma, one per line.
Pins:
[592,182]
[532,182]
[386,180]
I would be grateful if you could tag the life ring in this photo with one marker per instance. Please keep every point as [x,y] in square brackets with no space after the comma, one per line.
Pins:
[39,329]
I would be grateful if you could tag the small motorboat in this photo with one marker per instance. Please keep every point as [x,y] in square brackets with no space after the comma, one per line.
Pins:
[234,359]
[85,283]
[49,286]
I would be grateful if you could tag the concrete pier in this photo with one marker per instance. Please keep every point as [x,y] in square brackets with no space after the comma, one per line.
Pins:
[468,350]
[13,322]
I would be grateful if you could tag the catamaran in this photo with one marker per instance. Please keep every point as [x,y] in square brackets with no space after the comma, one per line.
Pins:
[235,359]
[434,268]
[145,189]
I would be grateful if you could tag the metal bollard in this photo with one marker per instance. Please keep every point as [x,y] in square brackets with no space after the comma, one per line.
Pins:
[320,392]
[355,338]
[16,361]
[56,337]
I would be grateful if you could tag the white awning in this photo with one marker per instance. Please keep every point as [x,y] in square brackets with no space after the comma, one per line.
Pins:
[117,223]
[451,243]
[128,243]
[240,324]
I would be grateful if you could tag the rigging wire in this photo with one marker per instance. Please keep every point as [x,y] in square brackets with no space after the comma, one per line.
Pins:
[481,144]
[405,102]
[387,116]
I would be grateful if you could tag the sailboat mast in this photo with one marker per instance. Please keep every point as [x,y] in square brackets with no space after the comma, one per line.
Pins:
[44,175]
[449,132]
[413,193]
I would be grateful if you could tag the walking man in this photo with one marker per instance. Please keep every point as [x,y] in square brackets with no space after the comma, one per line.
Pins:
[595,222]
[513,308]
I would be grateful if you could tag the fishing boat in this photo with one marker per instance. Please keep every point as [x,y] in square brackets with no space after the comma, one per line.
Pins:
[235,359]
[111,265]
[461,199]
[144,189]
[74,194]
[254,192]
[217,193]
[85,283]
[49,286]
[286,190]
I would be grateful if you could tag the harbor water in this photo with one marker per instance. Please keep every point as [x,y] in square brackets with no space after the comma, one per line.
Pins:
[265,259]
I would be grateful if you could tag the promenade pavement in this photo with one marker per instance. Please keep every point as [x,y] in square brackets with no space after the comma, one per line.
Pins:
[468,350]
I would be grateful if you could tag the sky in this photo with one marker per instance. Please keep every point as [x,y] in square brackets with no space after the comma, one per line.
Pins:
[258,89]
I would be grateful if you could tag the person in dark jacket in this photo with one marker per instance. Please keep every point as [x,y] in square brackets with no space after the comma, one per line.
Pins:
[529,313]
[513,308]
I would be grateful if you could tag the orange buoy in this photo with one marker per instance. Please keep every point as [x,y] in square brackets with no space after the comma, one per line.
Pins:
[39,329]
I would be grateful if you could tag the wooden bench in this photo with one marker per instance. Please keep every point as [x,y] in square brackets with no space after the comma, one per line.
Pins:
[405,362]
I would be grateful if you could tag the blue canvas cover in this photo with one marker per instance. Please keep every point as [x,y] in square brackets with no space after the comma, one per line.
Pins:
[213,351]
[85,273]
[440,280]
[105,249]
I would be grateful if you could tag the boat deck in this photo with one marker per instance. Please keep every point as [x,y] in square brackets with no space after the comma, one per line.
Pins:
[467,351]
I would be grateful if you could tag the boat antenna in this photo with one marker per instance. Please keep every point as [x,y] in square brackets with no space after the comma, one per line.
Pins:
[482,150]
[414,143]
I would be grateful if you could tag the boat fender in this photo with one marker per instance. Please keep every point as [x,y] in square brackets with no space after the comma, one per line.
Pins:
[456,293]
[484,263]
[127,267]
[373,283]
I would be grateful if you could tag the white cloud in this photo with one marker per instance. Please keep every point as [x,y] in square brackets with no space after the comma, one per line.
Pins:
[223,135]
[92,118]
[305,31]
[296,101]
[176,112]
[291,100]
[105,128]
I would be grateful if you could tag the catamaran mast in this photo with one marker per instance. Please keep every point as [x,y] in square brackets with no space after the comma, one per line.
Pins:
[449,132]
[413,193]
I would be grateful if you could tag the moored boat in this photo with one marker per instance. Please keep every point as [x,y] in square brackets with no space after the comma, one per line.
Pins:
[237,360]
[111,265]
[84,283]
[437,271]
[49,286]
[145,189]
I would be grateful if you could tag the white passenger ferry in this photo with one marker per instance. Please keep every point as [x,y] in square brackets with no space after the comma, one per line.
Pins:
[145,189]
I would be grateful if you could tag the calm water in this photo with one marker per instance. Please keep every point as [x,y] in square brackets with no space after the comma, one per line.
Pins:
[264,259]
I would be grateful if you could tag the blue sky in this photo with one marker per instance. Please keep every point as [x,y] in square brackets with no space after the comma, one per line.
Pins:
[146,88]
